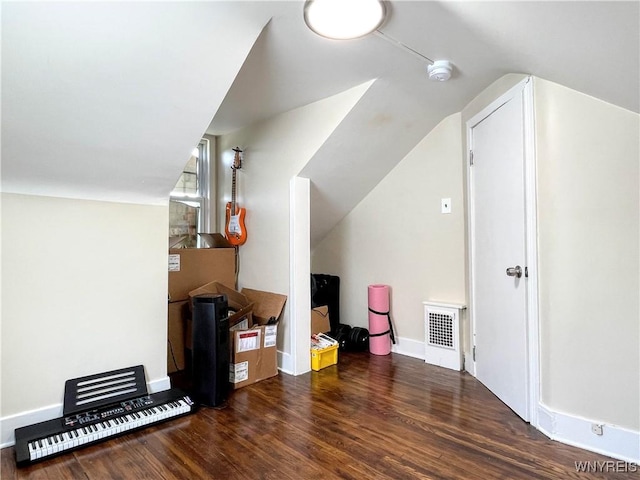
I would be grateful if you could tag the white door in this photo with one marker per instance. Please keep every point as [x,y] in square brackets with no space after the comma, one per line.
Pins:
[498,243]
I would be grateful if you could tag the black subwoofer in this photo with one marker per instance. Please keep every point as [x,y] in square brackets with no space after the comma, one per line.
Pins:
[210,350]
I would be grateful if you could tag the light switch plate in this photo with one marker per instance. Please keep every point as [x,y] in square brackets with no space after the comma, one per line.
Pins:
[446,205]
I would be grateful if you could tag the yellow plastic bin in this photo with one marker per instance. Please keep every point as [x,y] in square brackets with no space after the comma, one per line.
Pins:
[324,352]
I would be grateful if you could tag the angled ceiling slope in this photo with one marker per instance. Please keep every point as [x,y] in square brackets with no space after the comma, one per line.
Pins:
[589,46]
[571,43]
[106,100]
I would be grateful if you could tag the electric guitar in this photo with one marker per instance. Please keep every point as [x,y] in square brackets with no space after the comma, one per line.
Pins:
[234,228]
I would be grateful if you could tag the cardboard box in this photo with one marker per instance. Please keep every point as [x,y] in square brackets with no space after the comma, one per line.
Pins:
[253,332]
[254,352]
[239,305]
[320,320]
[189,268]
[254,355]
[178,314]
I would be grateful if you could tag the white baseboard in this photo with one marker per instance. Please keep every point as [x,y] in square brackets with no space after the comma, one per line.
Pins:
[159,385]
[285,363]
[403,346]
[408,347]
[615,441]
[9,423]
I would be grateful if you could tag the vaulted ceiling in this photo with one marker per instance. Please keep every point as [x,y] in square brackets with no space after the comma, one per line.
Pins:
[105,100]
[590,46]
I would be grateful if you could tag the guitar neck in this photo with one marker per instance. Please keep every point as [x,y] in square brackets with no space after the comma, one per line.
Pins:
[237,163]
[233,192]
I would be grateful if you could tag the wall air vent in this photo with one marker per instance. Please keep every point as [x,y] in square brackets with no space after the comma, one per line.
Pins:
[441,327]
[443,335]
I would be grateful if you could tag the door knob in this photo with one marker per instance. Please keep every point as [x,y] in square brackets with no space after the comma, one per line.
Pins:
[514,271]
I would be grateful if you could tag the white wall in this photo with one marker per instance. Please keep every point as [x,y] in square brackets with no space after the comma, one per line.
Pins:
[397,236]
[84,290]
[275,151]
[588,208]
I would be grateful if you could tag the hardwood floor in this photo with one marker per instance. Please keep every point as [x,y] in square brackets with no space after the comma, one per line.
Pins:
[369,417]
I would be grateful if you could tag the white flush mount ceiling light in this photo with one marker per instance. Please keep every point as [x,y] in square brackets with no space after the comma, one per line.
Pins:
[344,19]
[440,71]
[347,19]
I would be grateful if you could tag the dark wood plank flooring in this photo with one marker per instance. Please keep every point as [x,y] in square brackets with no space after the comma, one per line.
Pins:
[370,417]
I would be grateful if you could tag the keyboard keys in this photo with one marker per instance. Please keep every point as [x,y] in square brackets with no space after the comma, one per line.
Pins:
[78,437]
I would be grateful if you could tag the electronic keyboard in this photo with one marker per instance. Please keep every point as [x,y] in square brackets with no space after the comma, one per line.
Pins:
[102,418]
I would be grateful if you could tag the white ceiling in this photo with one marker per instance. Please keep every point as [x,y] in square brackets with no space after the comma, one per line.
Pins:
[574,43]
[105,100]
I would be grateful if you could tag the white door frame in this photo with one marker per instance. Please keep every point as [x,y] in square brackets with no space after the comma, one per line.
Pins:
[524,88]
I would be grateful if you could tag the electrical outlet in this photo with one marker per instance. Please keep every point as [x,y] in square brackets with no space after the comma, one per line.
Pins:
[445,205]
[596,428]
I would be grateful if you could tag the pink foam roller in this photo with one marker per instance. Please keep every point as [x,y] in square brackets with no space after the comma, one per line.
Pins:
[380,329]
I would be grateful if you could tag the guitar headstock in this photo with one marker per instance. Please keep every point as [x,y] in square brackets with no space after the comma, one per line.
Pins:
[237,160]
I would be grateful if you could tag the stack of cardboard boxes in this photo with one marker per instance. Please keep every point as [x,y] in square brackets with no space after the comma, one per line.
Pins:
[253,326]
[188,269]
[253,320]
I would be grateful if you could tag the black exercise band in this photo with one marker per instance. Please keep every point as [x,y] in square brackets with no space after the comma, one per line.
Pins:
[390,331]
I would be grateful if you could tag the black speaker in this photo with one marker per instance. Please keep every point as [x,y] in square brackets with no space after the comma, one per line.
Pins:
[210,350]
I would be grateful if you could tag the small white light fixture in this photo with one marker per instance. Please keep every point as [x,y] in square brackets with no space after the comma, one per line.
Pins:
[440,71]
[344,19]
